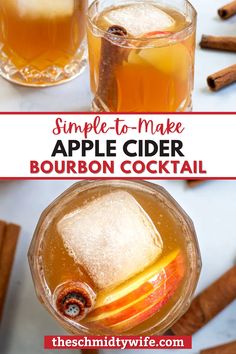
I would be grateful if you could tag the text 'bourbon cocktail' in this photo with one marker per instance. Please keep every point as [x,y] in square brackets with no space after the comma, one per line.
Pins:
[113,257]
[141,55]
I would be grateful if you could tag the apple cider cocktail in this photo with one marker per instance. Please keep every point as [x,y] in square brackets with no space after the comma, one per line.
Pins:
[42,41]
[114,257]
[141,55]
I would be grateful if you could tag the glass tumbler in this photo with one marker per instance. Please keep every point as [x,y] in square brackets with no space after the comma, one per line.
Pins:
[141,55]
[42,42]
[115,257]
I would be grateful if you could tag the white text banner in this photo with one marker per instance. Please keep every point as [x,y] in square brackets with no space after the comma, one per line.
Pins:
[145,146]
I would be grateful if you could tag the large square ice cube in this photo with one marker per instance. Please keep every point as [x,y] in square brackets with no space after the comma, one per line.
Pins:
[141,18]
[112,237]
[44,8]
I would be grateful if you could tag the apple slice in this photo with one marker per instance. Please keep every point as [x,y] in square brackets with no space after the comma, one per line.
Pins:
[172,59]
[135,59]
[107,297]
[157,33]
[140,297]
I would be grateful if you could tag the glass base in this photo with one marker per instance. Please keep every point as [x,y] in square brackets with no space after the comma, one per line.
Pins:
[51,76]
[98,106]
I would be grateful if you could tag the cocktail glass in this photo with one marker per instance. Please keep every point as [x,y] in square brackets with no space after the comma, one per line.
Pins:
[141,55]
[42,42]
[115,257]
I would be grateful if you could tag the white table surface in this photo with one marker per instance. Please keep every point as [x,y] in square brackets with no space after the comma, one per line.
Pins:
[76,96]
[212,206]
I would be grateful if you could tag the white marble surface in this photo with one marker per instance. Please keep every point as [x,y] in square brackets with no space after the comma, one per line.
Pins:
[76,96]
[212,206]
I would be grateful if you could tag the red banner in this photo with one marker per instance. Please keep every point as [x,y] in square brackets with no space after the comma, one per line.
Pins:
[117,342]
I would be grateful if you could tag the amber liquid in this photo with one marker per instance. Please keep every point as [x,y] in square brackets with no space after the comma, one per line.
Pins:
[154,76]
[59,266]
[41,41]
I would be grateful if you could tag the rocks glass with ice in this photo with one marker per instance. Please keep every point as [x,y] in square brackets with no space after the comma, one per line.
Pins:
[115,257]
[141,55]
[42,41]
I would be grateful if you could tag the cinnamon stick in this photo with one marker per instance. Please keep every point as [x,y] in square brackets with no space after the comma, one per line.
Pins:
[228,10]
[8,240]
[112,54]
[228,348]
[222,78]
[207,304]
[218,42]
[194,182]
[2,233]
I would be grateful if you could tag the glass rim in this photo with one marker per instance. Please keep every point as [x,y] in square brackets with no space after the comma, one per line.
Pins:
[171,35]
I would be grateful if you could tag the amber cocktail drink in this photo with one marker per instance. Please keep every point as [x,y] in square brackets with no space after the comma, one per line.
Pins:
[114,257]
[141,55]
[42,41]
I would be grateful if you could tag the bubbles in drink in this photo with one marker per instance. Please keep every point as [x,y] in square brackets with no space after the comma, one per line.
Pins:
[44,8]
[112,237]
[139,19]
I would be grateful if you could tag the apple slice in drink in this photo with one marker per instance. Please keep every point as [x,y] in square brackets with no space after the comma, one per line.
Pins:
[171,59]
[140,297]
[135,58]
[157,34]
